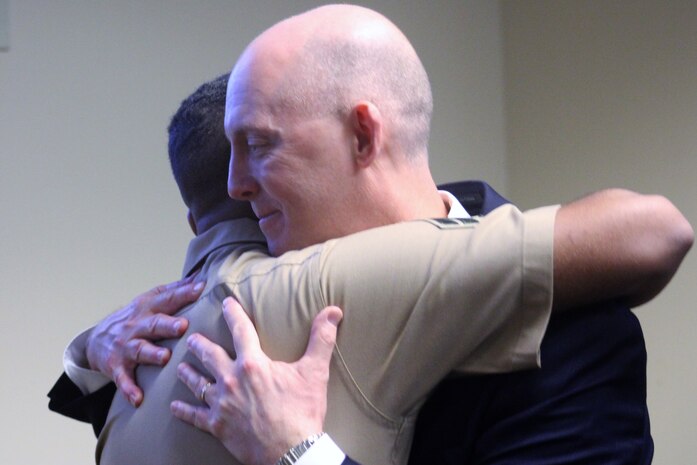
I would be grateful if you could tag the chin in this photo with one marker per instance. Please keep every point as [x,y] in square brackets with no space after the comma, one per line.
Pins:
[277,248]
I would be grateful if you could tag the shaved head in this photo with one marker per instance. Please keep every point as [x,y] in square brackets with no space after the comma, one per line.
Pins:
[330,58]
[330,107]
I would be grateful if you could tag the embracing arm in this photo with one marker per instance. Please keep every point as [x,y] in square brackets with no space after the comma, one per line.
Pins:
[112,349]
[605,248]
[124,339]
[617,244]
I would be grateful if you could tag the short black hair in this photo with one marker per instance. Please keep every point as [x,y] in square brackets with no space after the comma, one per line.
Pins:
[199,152]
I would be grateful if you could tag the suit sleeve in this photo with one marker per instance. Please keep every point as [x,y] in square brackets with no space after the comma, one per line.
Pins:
[80,393]
[67,399]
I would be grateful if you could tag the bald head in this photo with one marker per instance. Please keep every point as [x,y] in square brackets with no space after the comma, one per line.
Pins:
[328,113]
[329,58]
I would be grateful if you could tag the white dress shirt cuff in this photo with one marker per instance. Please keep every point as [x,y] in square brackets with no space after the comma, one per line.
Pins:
[77,368]
[323,452]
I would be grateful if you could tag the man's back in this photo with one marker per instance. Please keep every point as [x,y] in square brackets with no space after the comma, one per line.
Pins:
[412,298]
[149,434]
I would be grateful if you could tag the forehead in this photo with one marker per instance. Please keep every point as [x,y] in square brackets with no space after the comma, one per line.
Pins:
[246,100]
[252,98]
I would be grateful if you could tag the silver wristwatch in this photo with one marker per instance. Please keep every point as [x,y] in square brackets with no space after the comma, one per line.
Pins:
[295,452]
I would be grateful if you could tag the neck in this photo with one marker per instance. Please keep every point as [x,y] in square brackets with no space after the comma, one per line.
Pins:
[409,193]
[222,211]
[417,202]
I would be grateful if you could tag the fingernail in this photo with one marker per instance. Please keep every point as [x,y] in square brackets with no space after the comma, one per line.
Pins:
[177,326]
[199,286]
[134,399]
[334,318]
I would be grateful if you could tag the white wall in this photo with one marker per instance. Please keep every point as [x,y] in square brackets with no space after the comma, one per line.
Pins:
[89,214]
[605,94]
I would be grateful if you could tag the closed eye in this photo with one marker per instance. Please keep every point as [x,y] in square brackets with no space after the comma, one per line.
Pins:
[253,142]
[258,149]
[259,145]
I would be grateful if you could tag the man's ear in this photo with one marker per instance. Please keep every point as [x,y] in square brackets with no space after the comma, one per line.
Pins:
[366,122]
[192,222]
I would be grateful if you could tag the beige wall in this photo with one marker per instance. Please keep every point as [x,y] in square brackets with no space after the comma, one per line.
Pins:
[89,214]
[602,94]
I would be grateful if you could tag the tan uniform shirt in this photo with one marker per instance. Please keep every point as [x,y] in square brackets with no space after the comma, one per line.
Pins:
[420,299]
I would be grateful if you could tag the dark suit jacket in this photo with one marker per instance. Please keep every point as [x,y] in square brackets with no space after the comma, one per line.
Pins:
[587,405]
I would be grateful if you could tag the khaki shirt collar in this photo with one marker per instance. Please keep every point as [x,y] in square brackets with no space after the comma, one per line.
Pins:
[245,231]
[225,233]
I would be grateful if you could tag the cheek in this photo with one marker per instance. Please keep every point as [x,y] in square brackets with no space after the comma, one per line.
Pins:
[274,175]
[292,182]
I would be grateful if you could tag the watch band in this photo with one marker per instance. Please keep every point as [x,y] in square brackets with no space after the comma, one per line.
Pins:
[295,452]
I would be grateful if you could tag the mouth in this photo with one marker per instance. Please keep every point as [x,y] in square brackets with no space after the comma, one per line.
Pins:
[262,215]
[266,216]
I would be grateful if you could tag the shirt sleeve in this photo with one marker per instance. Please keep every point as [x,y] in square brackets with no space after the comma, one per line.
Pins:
[77,368]
[441,295]
[323,452]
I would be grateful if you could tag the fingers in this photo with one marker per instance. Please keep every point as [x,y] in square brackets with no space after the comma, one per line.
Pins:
[141,351]
[122,340]
[213,357]
[159,326]
[244,335]
[195,381]
[125,382]
[170,298]
[174,284]
[197,416]
[322,337]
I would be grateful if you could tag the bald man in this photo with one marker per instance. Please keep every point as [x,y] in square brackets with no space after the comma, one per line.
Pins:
[333,108]
[320,113]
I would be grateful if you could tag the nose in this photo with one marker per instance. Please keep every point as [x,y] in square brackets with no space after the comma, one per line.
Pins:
[241,185]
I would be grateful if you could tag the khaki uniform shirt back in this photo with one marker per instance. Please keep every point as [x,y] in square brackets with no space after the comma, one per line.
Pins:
[420,299]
